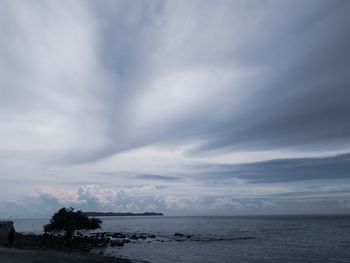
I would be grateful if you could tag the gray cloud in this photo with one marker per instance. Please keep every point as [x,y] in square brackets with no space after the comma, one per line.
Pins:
[284,170]
[153,177]
[270,77]
[304,97]
[293,67]
[85,82]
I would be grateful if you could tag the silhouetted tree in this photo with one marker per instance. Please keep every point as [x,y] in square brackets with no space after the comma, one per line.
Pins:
[68,220]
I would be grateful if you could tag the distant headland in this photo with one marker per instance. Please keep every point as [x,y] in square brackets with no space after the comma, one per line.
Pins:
[121,214]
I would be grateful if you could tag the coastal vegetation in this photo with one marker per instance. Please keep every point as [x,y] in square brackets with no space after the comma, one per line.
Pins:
[68,221]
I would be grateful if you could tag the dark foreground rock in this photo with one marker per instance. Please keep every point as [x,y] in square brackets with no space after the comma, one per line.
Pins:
[7,233]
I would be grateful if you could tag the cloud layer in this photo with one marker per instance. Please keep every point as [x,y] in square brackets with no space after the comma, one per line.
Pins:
[216,100]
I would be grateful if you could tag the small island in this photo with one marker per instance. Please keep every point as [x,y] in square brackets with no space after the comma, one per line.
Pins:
[121,214]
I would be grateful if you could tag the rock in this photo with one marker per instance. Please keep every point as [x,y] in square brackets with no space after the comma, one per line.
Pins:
[118,235]
[245,238]
[135,237]
[152,236]
[7,233]
[179,235]
[143,237]
[54,242]
[117,243]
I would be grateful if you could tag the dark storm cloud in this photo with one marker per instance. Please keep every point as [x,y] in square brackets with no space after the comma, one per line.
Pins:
[281,171]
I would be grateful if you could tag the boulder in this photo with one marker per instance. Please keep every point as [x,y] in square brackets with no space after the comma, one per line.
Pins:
[134,237]
[118,235]
[7,233]
[118,243]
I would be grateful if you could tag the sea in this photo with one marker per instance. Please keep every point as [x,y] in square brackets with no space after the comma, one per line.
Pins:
[226,238]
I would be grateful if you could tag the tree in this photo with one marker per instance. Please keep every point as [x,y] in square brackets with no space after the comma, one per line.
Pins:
[68,220]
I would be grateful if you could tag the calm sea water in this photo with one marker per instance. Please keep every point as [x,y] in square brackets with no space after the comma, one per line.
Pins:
[229,239]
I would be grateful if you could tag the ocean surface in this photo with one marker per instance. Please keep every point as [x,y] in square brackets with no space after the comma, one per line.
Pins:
[227,239]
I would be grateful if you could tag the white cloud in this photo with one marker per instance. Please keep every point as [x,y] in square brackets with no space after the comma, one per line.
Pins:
[50,78]
[182,96]
[96,94]
[97,198]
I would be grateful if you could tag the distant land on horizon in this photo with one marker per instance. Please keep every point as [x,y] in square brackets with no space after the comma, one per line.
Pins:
[122,214]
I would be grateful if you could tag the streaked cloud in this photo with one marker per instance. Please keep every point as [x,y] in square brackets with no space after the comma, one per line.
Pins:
[221,100]
[283,170]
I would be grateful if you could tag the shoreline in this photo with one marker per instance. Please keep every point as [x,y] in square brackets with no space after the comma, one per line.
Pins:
[39,248]
[15,255]
[80,249]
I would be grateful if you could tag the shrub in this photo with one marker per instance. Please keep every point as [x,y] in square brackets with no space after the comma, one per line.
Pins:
[68,220]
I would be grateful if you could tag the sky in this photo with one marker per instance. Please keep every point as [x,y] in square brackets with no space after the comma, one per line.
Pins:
[181,107]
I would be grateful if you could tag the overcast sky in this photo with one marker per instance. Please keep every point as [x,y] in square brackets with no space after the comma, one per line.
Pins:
[182,107]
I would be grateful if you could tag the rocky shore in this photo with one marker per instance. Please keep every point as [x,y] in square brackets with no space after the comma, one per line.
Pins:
[82,243]
[28,247]
[13,255]
[99,241]
[96,243]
